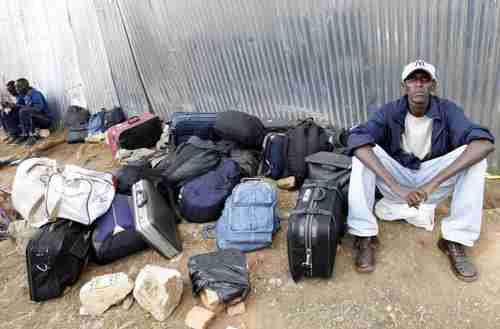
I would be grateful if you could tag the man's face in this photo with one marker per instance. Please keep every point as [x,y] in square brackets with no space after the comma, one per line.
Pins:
[419,86]
[12,89]
[21,88]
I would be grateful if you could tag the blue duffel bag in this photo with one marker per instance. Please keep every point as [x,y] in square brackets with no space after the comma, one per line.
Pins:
[202,198]
[249,219]
[114,236]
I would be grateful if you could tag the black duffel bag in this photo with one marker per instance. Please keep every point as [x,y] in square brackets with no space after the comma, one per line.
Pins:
[240,127]
[55,258]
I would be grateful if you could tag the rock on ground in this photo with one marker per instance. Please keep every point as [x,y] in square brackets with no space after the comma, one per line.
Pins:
[158,290]
[199,318]
[103,291]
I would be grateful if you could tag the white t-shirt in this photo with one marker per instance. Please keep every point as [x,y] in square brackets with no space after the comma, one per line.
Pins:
[417,137]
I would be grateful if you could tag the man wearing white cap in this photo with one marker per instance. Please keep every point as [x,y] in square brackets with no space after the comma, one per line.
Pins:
[417,150]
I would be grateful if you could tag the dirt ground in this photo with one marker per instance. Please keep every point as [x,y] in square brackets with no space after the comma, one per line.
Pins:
[412,287]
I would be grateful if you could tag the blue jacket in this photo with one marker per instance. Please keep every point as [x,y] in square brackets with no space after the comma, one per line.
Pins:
[36,99]
[450,129]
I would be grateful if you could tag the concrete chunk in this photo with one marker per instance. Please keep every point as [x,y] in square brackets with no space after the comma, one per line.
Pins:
[199,318]
[236,309]
[211,301]
[158,290]
[103,291]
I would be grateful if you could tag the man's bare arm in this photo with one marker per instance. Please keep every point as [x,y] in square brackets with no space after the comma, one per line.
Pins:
[366,155]
[475,152]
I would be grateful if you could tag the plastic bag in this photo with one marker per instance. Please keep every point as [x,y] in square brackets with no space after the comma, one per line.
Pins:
[224,272]
[421,217]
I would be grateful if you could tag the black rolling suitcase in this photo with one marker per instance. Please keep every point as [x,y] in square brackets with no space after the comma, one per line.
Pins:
[155,219]
[315,228]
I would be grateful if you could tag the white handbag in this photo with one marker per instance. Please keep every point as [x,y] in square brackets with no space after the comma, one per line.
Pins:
[42,192]
[79,194]
[29,188]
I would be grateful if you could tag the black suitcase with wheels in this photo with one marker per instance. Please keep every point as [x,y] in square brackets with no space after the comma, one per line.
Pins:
[315,229]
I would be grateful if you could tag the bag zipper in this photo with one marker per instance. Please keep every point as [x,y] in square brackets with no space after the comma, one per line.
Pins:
[308,241]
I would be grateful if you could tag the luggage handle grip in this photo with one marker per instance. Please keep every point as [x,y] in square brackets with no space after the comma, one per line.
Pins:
[249,179]
[133,119]
[141,198]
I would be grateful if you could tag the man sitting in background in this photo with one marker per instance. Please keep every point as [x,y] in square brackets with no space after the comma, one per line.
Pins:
[9,111]
[34,113]
[417,150]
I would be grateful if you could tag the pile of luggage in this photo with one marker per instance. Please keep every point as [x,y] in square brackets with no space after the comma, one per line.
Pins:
[218,169]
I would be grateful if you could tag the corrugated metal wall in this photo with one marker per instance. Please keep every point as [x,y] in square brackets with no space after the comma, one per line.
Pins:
[329,59]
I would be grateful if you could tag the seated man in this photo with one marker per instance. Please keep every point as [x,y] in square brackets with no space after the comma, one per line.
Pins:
[9,111]
[34,113]
[417,150]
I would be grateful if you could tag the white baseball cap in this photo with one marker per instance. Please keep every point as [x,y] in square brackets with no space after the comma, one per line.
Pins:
[419,65]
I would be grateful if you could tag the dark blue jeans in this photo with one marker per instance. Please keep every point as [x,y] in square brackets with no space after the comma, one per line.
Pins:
[10,122]
[31,118]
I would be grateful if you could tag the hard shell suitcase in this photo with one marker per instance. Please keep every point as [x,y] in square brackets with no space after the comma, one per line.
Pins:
[155,219]
[183,125]
[315,228]
[137,132]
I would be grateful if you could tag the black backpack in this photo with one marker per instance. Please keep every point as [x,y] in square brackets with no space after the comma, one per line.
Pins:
[55,258]
[76,116]
[304,139]
[193,158]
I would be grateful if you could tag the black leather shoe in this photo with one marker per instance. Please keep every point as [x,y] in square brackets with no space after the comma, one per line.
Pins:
[365,253]
[460,263]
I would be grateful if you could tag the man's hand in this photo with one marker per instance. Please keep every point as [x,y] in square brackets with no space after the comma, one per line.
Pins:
[413,197]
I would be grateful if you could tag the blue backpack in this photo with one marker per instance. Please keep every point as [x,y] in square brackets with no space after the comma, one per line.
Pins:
[202,198]
[249,219]
[96,123]
[275,147]
[114,236]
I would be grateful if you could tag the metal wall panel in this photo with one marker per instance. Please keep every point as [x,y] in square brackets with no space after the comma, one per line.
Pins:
[321,58]
[92,58]
[128,84]
[39,46]
[330,59]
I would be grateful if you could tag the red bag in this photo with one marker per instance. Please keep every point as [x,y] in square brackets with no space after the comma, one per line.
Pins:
[139,131]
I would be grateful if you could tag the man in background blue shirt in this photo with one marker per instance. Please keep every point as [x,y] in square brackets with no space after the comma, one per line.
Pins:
[34,114]
[417,150]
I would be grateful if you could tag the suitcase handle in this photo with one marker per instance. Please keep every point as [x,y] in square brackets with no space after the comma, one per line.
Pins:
[133,120]
[141,198]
